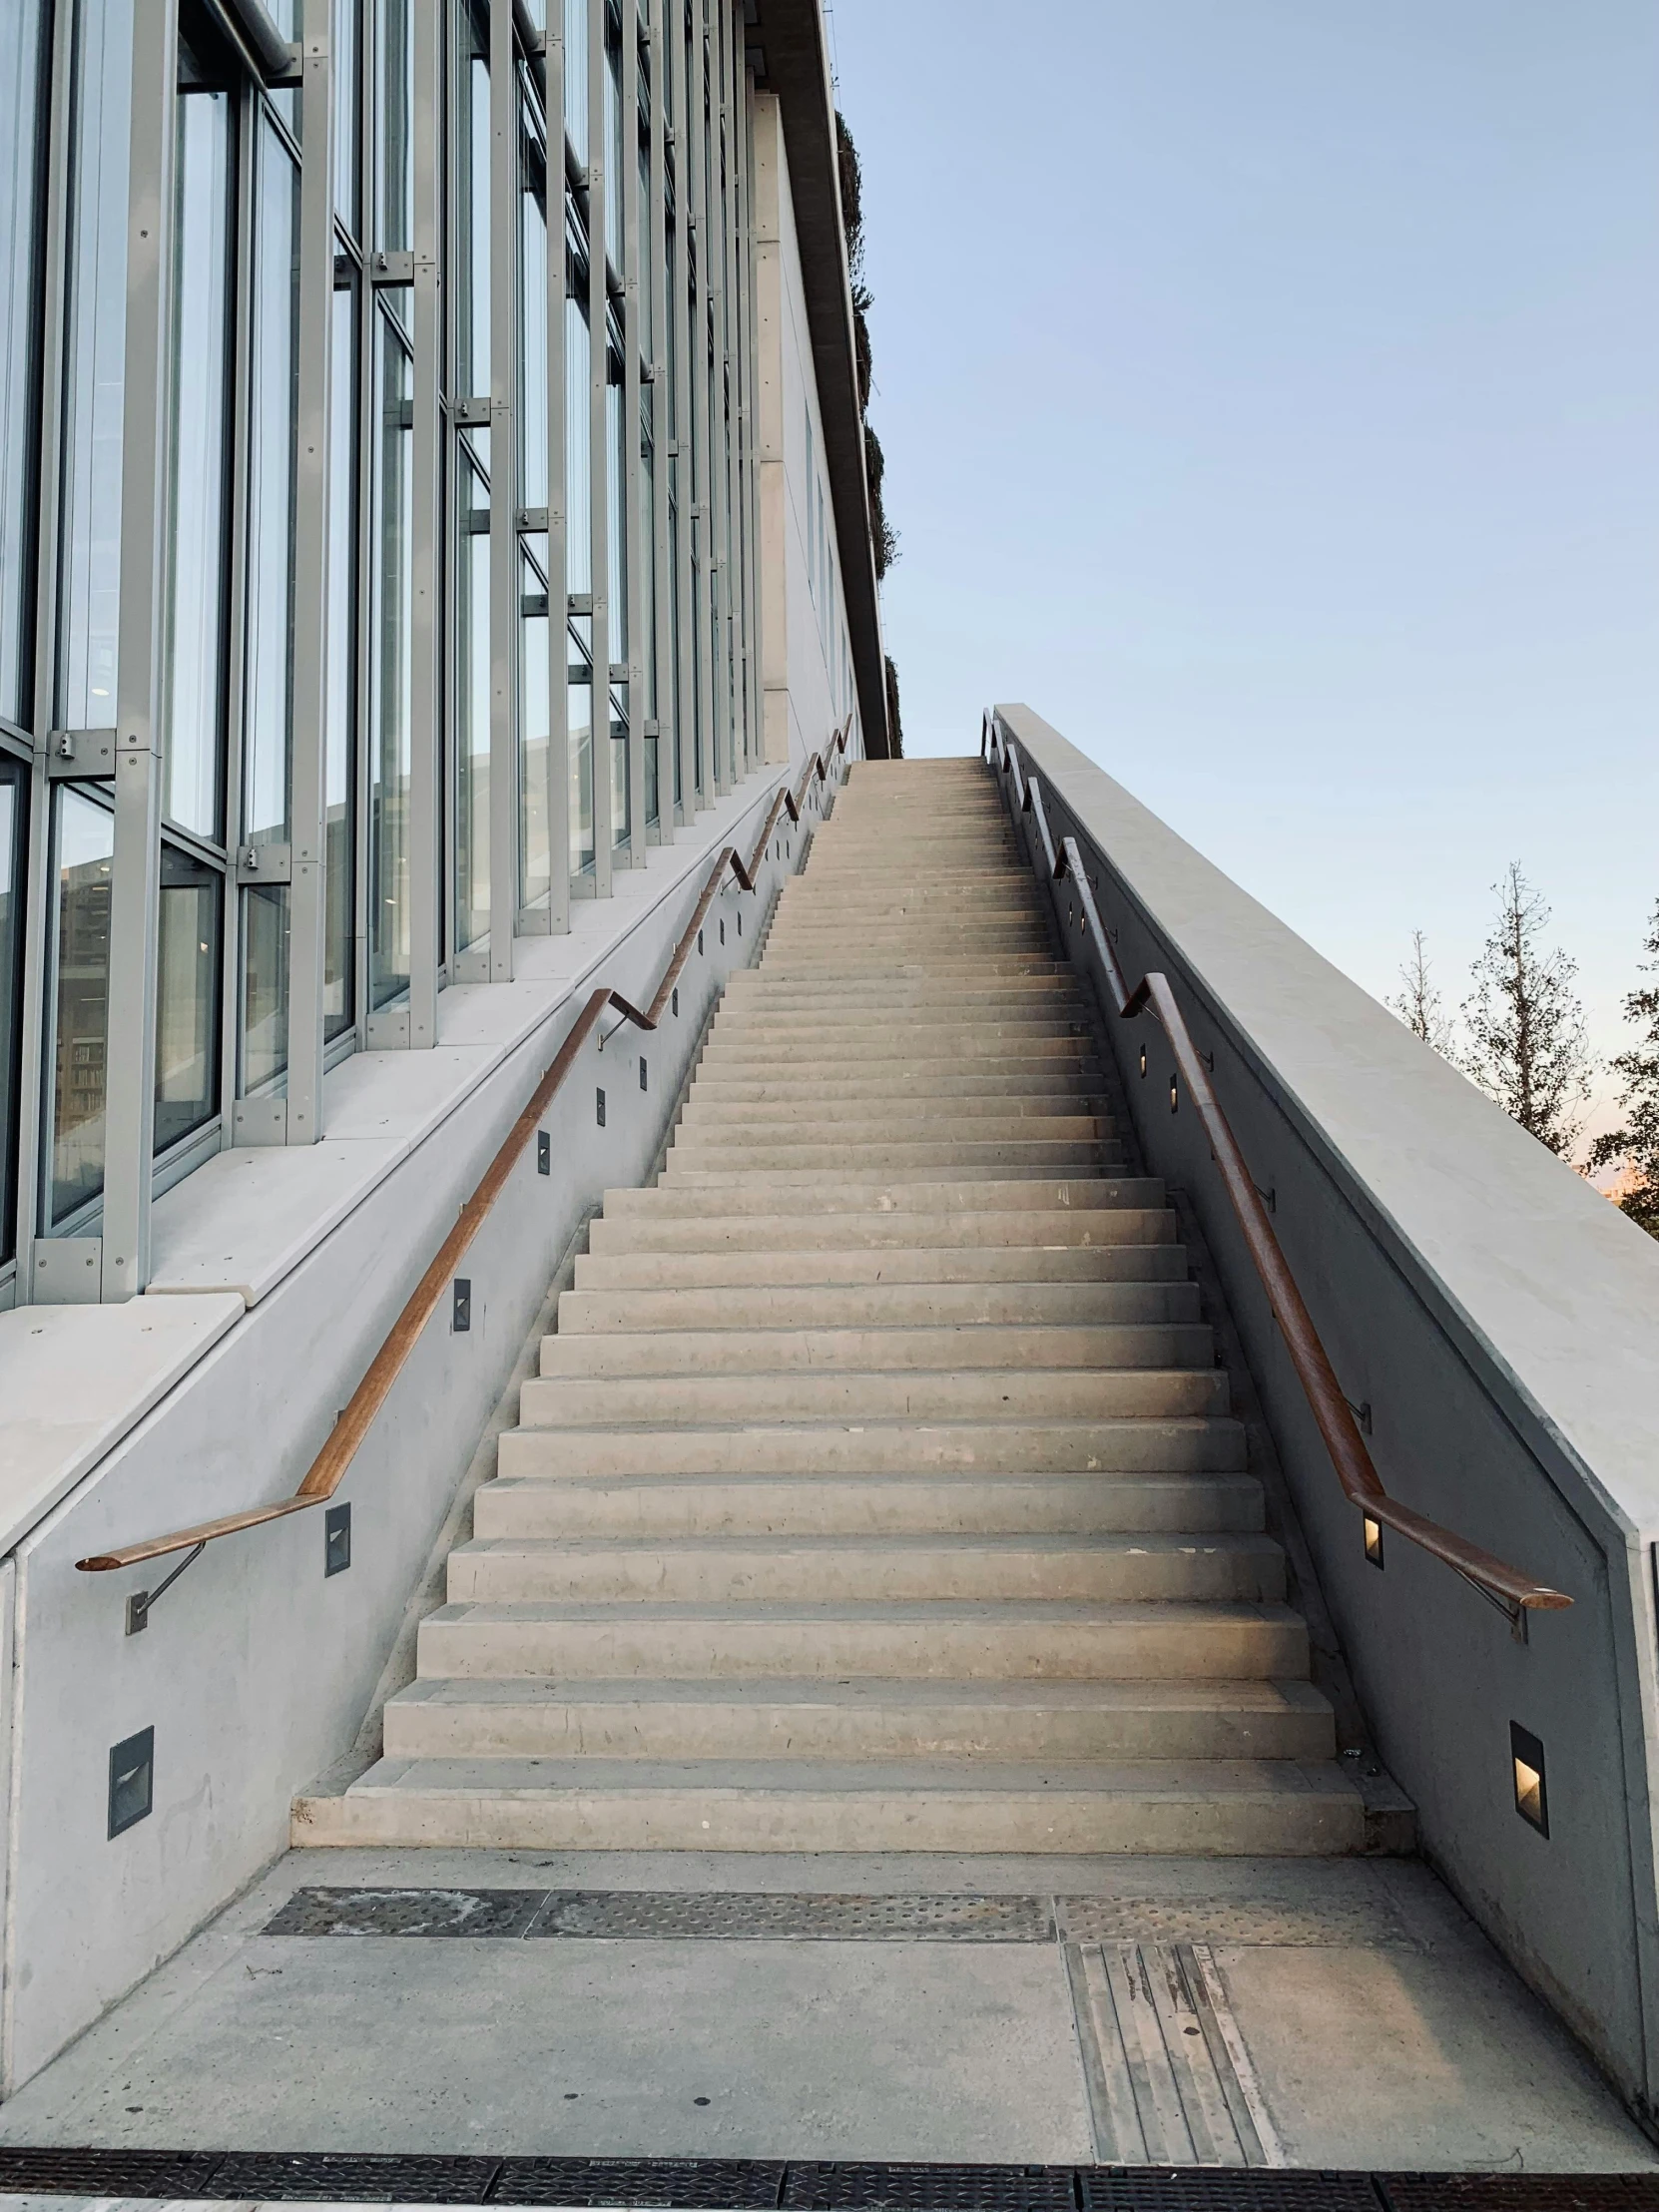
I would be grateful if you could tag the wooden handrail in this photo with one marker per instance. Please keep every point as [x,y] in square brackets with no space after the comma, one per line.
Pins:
[327,1471]
[1514,1592]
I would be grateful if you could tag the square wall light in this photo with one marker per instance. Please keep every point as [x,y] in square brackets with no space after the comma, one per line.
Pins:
[1373,1539]
[1526,1759]
[131,1780]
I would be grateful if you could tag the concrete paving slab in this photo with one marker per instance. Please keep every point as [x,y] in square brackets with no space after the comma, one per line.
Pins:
[1381,2027]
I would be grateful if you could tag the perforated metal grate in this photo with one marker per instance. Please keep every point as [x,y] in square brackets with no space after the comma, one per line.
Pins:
[826,2188]
[406,1912]
[1519,2192]
[738,1915]
[107,2173]
[1366,1921]
[354,2177]
[734,2182]
[1258,2189]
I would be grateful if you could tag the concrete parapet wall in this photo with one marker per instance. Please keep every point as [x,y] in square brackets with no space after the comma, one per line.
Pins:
[1500,1321]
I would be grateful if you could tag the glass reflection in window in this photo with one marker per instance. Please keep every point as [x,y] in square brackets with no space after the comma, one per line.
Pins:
[340,831]
[535,863]
[22,48]
[84,849]
[187,996]
[274,367]
[579,710]
[390,645]
[194,676]
[473,706]
[14,791]
[94,369]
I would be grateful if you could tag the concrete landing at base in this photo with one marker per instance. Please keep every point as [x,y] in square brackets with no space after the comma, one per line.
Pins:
[1374,2027]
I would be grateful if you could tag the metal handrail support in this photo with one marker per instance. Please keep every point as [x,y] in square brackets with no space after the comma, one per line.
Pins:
[1507,1587]
[327,1471]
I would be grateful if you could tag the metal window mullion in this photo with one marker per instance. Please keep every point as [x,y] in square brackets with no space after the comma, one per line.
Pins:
[720,547]
[427,533]
[558,578]
[504,584]
[628,199]
[599,476]
[661,432]
[698,371]
[307,892]
[135,873]
[36,919]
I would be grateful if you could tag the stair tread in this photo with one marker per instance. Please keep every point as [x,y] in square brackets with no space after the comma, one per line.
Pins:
[1264,1694]
[1171,1777]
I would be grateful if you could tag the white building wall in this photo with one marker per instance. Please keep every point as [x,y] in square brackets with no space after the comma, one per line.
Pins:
[807,664]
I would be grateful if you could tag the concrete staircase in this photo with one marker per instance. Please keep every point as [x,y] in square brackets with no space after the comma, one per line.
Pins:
[879,1489]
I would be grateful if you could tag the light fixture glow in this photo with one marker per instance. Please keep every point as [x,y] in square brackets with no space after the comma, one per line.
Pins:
[1373,1540]
[1527,1756]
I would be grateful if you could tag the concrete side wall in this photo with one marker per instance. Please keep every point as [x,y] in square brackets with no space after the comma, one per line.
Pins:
[807,672]
[1498,1318]
[256,1671]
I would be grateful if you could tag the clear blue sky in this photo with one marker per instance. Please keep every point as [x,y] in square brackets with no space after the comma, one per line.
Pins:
[1269,392]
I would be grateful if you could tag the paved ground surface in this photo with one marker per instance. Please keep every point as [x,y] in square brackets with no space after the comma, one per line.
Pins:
[1326,2013]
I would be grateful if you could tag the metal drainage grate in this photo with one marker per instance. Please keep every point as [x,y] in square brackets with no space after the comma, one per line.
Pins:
[738,2183]
[868,2187]
[356,2177]
[1256,2189]
[1519,2192]
[1368,1922]
[406,1912]
[106,2173]
[674,1915]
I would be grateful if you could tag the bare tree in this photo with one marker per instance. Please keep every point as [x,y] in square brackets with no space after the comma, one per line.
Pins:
[1637,1143]
[1420,1005]
[1526,1025]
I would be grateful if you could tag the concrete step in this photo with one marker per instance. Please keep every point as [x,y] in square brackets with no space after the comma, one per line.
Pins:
[699,1152]
[1128,1444]
[891,1199]
[929,1568]
[862,1269]
[1179,1640]
[1013,1722]
[740,1127]
[1059,1087]
[908,1350]
[988,1394]
[708,1111]
[711,1229]
[876,1306]
[570,1508]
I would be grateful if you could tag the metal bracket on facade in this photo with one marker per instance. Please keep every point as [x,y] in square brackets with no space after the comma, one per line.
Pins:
[264,864]
[85,753]
[620,671]
[67,1270]
[532,518]
[142,1604]
[391,268]
[472,413]
[257,1122]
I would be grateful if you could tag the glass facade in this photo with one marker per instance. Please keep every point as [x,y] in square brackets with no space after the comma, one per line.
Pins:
[477,701]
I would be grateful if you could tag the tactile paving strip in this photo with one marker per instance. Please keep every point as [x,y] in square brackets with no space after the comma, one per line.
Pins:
[1364,1923]
[674,1915]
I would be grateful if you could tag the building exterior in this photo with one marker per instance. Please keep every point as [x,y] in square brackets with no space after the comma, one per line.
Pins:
[391,553]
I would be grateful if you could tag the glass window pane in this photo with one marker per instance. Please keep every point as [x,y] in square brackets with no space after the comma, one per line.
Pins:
[579,710]
[187,996]
[96,348]
[14,791]
[265,985]
[194,675]
[576,77]
[533,375]
[85,846]
[273,376]
[391,646]
[394,143]
[347,35]
[473,706]
[578,459]
[22,30]
[535,863]
[472,169]
[616,497]
[341,839]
